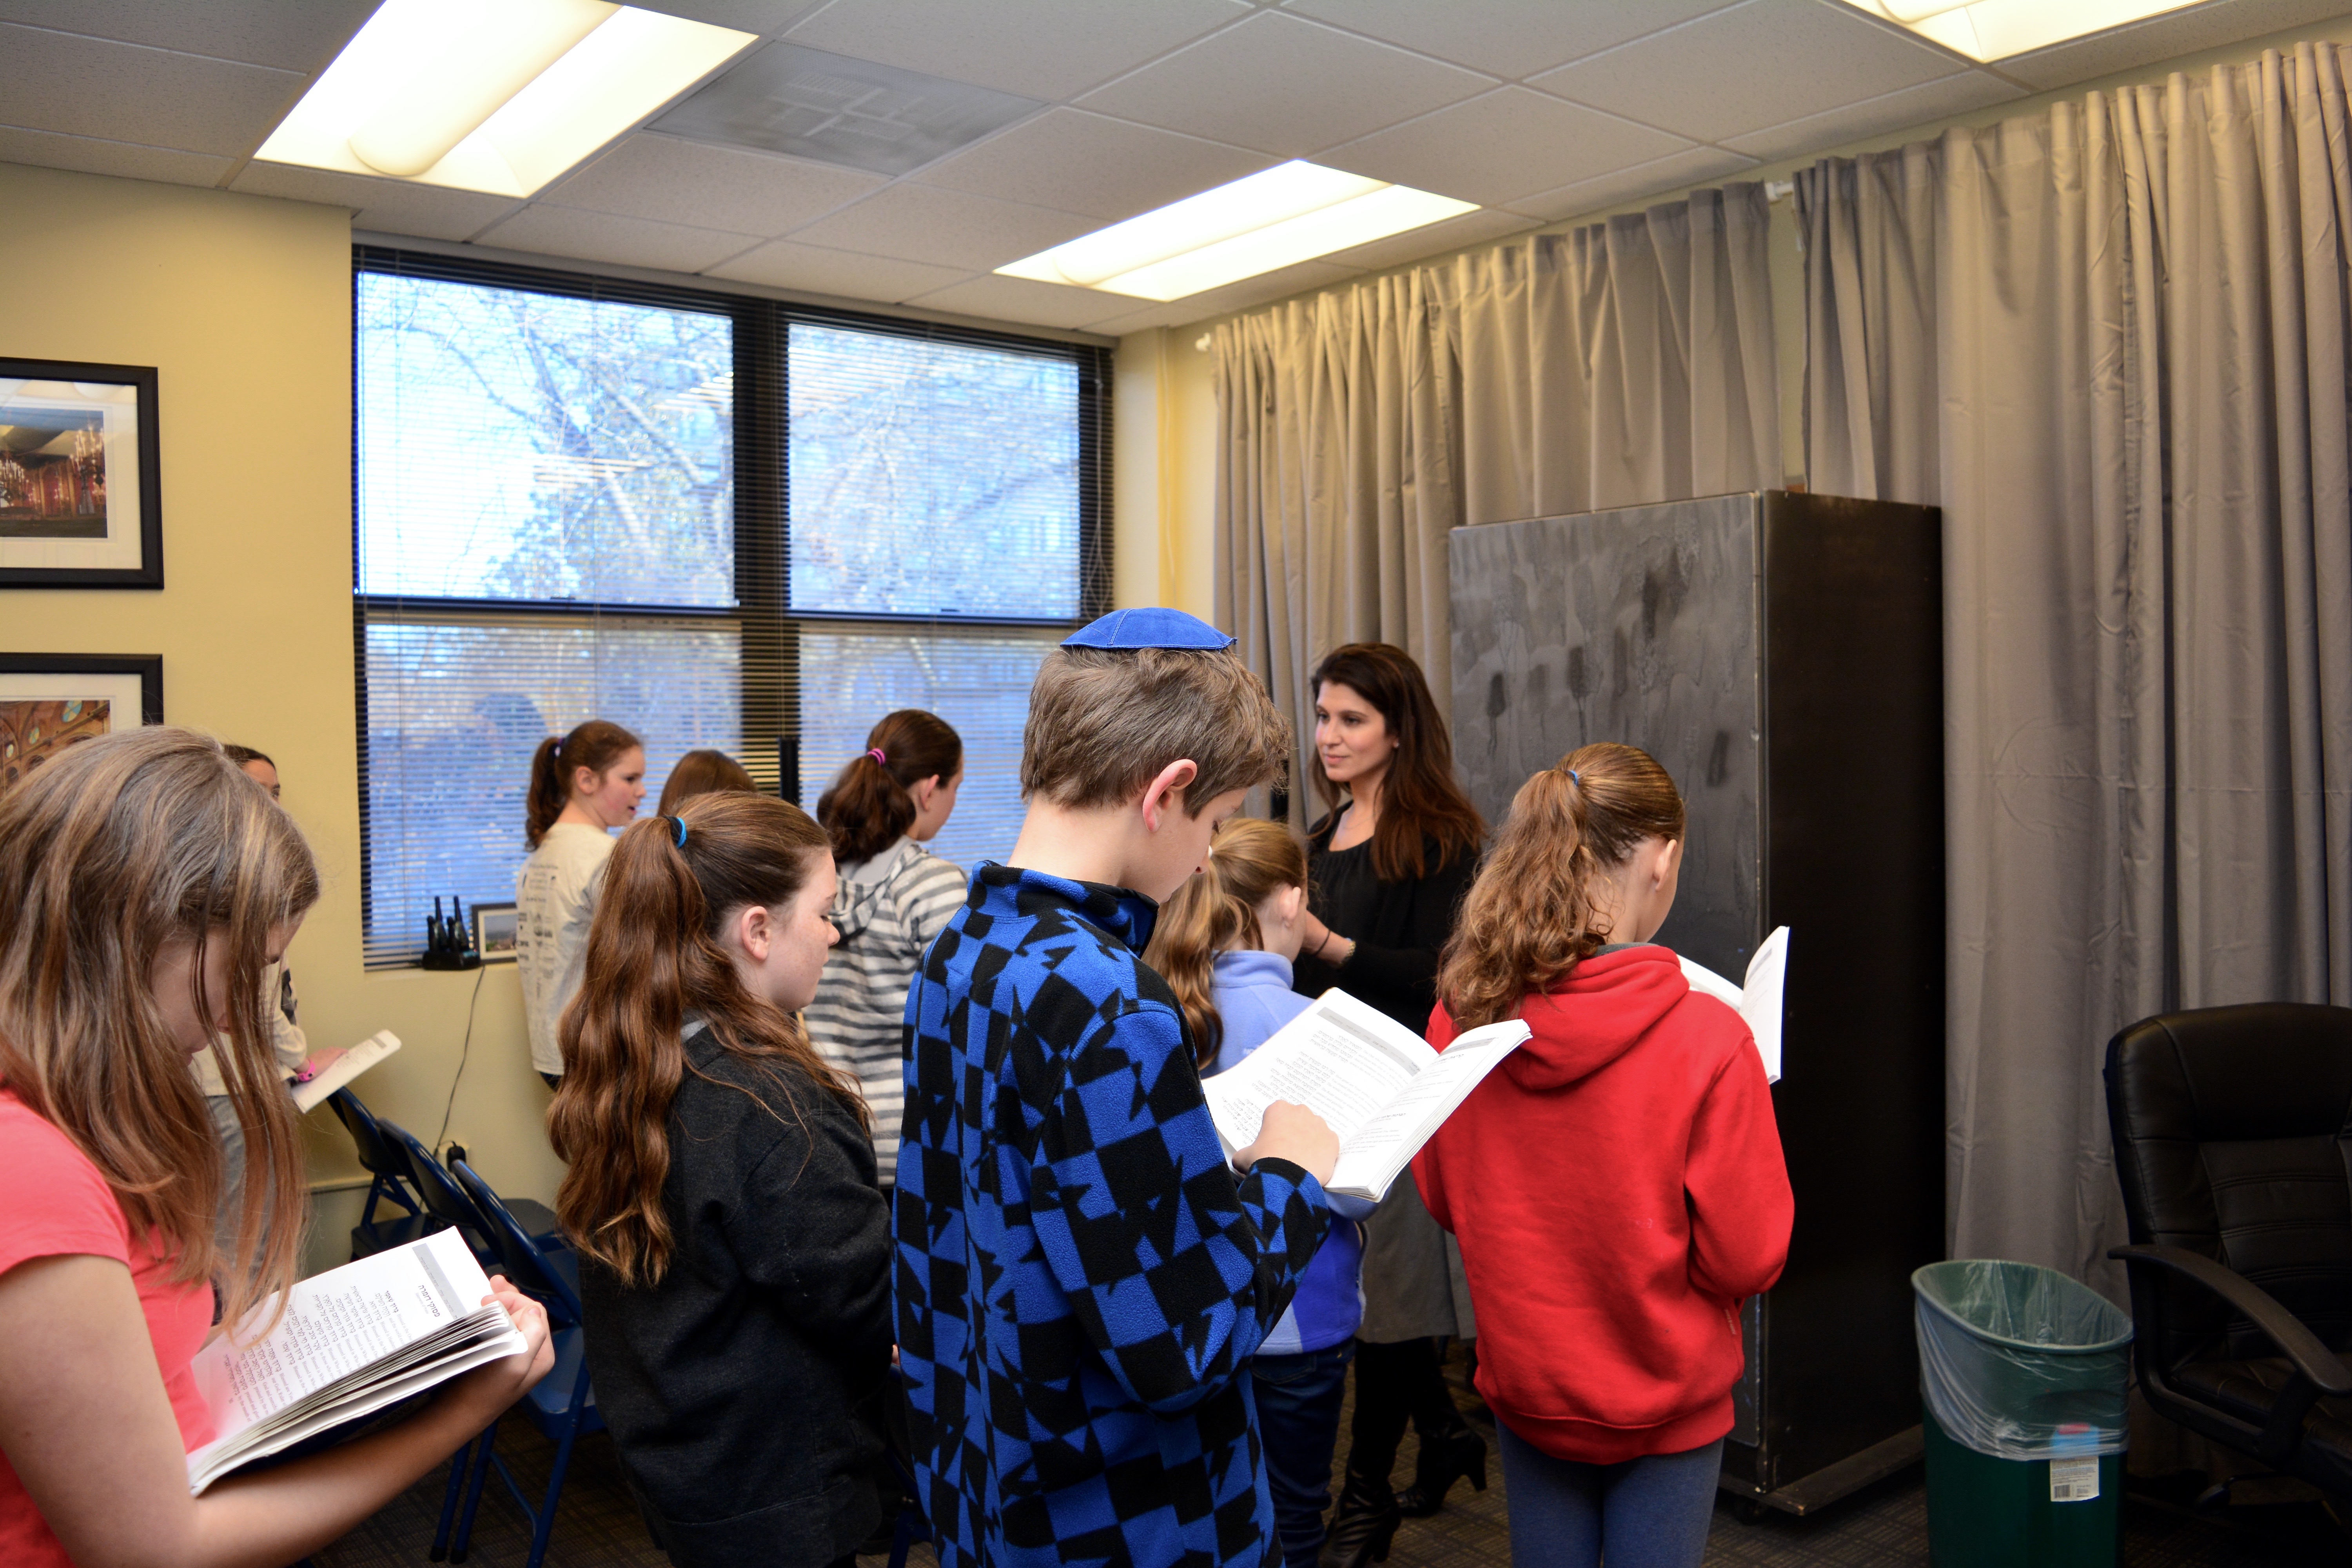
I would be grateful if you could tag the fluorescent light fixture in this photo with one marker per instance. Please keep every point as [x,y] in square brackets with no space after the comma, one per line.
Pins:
[1289,212]
[493,95]
[1995,29]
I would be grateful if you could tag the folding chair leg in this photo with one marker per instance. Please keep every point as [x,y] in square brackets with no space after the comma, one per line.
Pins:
[543,1523]
[450,1494]
[481,1473]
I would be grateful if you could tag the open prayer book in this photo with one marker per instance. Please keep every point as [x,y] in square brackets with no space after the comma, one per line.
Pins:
[337,1068]
[354,1339]
[1758,1002]
[1377,1084]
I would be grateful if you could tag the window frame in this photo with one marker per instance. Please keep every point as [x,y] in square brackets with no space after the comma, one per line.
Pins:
[767,626]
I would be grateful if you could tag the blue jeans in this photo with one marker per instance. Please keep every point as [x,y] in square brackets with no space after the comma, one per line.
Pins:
[1650,1512]
[1298,1420]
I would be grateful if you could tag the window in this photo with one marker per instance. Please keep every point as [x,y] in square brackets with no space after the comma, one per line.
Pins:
[719,521]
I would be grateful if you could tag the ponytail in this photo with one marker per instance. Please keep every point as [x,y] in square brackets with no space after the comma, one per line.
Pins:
[1530,919]
[653,956]
[594,745]
[871,801]
[1250,861]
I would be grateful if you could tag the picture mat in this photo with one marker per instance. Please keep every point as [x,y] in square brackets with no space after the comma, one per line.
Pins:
[117,404]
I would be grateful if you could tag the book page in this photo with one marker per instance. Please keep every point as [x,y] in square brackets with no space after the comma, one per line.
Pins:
[1759,1004]
[336,1324]
[1339,1058]
[334,1075]
[1371,1156]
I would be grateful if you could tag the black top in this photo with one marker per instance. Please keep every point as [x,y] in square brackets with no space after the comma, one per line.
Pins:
[743,1390]
[1398,927]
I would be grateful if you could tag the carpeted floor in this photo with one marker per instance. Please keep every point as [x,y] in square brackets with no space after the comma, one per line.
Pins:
[597,1525]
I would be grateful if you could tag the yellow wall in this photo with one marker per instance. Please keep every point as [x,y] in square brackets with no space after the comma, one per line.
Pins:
[244,307]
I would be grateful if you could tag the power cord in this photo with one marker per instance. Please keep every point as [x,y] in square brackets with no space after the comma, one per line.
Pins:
[463,1052]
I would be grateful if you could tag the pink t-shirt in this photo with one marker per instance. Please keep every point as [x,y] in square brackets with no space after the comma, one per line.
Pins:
[58,1205]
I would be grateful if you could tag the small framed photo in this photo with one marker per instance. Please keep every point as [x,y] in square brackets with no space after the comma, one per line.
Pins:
[52,701]
[494,933]
[80,490]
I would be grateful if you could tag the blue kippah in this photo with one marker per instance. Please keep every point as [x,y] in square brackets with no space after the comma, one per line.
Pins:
[1149,626]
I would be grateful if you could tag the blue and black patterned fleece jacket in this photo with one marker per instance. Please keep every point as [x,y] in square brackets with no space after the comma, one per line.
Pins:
[1081,1278]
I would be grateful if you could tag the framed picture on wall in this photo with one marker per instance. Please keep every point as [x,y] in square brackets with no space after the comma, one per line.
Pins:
[52,701]
[80,491]
[494,933]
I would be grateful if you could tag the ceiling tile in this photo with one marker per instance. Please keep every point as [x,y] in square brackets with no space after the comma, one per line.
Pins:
[946,228]
[787,264]
[301,38]
[385,206]
[1285,85]
[1043,48]
[1763,63]
[1437,239]
[1911,106]
[1511,142]
[669,180]
[624,241]
[1174,314]
[84,86]
[766,17]
[124,160]
[1075,161]
[1512,38]
[1623,185]
[1299,277]
[1022,299]
[2182,32]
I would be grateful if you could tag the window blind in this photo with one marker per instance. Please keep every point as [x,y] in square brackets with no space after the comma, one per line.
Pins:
[718,522]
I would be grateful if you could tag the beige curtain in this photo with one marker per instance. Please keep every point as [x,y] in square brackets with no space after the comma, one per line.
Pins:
[2111,340]
[1628,362]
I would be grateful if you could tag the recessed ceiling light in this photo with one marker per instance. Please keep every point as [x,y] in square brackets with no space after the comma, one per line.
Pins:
[493,95]
[1292,211]
[1995,29]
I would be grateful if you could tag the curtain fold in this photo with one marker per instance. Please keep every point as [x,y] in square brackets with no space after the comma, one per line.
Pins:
[2111,340]
[1626,363]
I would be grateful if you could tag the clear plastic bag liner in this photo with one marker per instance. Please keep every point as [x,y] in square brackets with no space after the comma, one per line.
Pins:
[2020,1362]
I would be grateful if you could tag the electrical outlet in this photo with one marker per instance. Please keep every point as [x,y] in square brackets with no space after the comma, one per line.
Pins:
[452,1147]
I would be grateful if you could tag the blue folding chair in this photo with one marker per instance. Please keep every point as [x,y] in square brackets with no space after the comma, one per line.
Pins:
[389,1183]
[560,1404]
[446,1202]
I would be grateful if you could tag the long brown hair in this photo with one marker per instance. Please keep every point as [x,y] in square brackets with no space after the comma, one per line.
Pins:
[1420,799]
[594,745]
[1250,861]
[653,957]
[119,847]
[871,801]
[1530,919]
[699,772]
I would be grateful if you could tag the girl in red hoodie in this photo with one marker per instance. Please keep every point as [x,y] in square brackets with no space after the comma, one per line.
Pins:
[1616,1185]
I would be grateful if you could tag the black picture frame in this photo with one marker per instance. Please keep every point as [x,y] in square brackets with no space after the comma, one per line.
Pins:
[146,493]
[494,931]
[31,709]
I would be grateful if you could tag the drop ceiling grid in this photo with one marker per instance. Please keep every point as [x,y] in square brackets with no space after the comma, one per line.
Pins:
[1537,109]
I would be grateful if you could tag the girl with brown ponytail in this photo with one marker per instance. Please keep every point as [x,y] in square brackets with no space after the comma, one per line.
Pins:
[1225,944]
[896,894]
[1616,1184]
[721,1191]
[582,785]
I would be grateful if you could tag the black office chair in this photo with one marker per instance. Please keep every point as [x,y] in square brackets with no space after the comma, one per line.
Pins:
[2232,1129]
[389,1172]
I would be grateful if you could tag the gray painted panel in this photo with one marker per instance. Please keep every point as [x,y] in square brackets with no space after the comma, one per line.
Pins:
[1639,626]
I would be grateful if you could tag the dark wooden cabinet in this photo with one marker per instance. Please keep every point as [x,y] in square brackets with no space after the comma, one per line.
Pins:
[1781,655]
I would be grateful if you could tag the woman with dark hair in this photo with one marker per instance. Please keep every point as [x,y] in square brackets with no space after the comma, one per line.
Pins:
[896,896]
[735,1251]
[582,785]
[1390,862]
[699,772]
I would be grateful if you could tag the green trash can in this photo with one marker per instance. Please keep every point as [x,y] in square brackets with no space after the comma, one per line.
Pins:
[2022,1372]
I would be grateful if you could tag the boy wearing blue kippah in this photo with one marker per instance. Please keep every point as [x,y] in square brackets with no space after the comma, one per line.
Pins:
[1082,1279]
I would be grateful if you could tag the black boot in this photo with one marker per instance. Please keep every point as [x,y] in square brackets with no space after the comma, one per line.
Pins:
[1362,1525]
[1442,1460]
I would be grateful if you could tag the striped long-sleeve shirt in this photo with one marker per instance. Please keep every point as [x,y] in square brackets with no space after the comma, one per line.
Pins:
[888,909]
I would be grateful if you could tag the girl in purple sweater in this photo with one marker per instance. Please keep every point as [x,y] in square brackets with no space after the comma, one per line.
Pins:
[1225,944]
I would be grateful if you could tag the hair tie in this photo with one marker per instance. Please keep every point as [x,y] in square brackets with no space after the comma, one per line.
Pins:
[879,759]
[559,747]
[1576,778]
[677,829]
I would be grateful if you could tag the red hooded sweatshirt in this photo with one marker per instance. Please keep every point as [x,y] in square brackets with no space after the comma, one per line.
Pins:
[1617,1188]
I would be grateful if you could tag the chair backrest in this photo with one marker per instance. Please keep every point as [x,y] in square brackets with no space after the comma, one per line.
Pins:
[444,1199]
[2233,1130]
[525,1266]
[377,1157]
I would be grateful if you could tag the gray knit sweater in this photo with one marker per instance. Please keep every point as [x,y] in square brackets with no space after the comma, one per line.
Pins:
[888,909]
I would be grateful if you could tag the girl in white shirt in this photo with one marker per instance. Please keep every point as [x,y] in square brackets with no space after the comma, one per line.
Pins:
[581,787]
